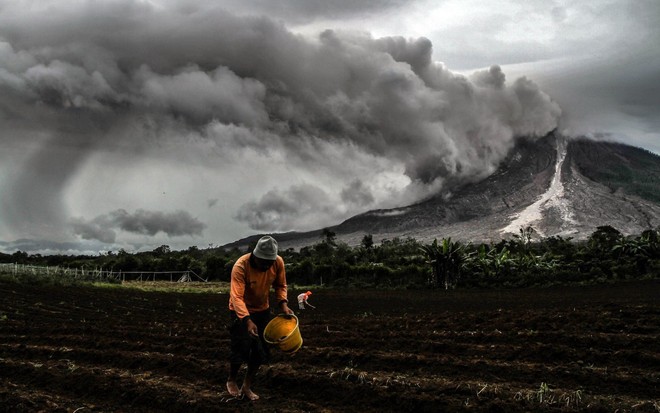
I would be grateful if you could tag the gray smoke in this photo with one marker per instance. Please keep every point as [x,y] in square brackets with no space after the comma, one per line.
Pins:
[245,83]
[286,209]
[103,227]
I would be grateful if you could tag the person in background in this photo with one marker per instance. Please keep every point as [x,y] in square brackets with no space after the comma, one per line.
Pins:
[302,300]
[252,277]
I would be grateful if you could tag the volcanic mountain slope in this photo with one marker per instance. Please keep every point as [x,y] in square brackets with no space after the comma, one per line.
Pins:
[611,184]
[556,185]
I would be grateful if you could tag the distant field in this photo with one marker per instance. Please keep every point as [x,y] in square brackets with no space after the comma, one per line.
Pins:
[167,286]
[88,349]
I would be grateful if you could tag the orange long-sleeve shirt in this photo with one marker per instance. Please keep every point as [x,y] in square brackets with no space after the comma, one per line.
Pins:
[250,288]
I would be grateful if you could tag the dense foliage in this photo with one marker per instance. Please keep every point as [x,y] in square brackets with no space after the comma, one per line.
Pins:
[524,260]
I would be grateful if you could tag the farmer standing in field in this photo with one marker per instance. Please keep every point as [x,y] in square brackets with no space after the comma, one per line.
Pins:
[302,300]
[249,309]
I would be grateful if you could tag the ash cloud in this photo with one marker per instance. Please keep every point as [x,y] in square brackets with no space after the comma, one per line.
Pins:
[206,70]
[45,247]
[357,193]
[280,209]
[302,11]
[104,227]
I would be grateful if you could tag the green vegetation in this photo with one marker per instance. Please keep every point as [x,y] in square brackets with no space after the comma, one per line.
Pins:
[167,286]
[522,261]
[44,275]
[620,168]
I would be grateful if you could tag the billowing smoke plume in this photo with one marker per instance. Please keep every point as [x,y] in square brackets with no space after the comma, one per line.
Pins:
[103,228]
[286,209]
[347,108]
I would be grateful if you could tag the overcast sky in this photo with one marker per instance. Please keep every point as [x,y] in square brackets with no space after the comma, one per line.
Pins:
[134,124]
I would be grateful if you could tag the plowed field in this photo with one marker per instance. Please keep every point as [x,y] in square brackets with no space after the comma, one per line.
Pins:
[85,349]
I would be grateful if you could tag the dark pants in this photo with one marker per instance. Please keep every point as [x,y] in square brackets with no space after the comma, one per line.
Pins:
[245,348]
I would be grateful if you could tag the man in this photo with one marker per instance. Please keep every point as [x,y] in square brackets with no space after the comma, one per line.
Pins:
[302,300]
[251,278]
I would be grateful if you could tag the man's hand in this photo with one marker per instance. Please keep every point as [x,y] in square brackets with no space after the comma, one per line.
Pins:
[252,328]
[285,308]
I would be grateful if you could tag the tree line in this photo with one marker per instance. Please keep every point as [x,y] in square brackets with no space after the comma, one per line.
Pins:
[524,260]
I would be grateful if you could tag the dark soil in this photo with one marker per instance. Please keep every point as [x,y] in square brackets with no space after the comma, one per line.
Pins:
[85,349]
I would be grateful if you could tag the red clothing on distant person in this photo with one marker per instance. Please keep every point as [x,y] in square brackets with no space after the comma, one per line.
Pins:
[302,300]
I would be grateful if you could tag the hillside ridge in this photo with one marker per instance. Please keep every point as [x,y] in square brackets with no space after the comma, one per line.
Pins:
[559,186]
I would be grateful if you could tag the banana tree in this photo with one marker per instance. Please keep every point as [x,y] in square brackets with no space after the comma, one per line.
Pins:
[446,260]
[639,250]
[479,260]
[502,262]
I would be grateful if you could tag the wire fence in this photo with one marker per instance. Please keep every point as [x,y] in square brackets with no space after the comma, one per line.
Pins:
[99,273]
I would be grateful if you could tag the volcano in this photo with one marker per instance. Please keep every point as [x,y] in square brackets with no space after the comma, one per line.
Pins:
[558,186]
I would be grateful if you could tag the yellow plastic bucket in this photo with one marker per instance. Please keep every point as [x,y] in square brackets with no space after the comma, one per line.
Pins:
[283,332]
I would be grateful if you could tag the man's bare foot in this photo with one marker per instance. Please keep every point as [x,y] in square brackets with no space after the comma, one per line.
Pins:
[250,394]
[232,388]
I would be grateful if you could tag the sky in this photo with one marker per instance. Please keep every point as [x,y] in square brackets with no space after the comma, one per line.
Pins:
[129,124]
